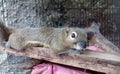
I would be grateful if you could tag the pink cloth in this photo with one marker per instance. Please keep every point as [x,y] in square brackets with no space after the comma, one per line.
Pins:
[49,68]
[95,47]
[119,47]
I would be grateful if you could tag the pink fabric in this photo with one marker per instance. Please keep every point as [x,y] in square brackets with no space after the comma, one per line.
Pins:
[49,68]
[119,47]
[95,47]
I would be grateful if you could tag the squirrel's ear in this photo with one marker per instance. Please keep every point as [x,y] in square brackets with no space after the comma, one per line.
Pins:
[90,35]
[67,30]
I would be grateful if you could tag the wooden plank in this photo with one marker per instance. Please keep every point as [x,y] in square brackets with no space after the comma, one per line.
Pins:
[86,61]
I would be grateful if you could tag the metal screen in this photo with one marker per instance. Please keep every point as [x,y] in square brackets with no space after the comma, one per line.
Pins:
[57,13]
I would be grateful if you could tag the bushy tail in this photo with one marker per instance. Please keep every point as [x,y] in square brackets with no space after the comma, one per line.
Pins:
[5,31]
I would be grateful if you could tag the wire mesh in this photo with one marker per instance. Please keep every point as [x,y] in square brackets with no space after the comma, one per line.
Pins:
[60,13]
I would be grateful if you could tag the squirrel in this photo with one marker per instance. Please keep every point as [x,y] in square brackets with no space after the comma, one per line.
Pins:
[57,39]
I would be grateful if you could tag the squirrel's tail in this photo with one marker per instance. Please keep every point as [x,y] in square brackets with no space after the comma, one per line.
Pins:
[5,31]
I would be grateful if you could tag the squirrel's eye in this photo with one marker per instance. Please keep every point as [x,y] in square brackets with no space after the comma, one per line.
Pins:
[74,35]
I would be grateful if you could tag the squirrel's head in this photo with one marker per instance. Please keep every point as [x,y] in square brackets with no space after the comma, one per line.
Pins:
[75,38]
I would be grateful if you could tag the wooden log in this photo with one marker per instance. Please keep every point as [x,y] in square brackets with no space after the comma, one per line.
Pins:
[86,61]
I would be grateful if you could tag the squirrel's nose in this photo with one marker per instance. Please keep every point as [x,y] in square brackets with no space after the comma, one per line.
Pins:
[83,44]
